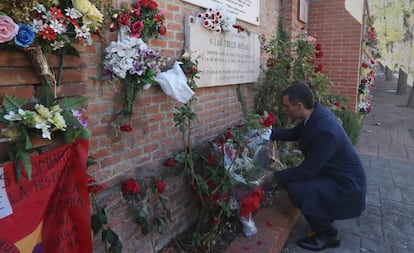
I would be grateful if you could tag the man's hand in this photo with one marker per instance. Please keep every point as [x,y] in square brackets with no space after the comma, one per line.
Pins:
[266,134]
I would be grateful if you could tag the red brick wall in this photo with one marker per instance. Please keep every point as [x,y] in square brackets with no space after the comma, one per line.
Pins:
[140,153]
[340,35]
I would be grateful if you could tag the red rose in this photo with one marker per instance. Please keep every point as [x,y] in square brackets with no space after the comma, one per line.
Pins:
[136,12]
[130,186]
[170,162]
[337,103]
[364,65]
[318,46]
[162,29]
[145,3]
[136,28]
[153,5]
[318,67]
[319,54]
[124,19]
[125,128]
[160,186]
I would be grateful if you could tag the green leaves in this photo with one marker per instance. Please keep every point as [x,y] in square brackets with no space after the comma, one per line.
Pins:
[72,103]
[12,103]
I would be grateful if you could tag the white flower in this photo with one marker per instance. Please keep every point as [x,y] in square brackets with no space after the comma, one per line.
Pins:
[40,8]
[37,25]
[57,26]
[83,32]
[73,13]
[46,134]
[12,116]
[57,44]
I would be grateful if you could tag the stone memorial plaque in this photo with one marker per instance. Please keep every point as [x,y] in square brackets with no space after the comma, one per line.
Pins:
[224,58]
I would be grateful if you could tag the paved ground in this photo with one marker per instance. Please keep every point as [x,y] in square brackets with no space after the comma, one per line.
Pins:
[386,148]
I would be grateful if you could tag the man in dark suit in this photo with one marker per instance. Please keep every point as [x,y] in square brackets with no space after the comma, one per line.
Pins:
[330,183]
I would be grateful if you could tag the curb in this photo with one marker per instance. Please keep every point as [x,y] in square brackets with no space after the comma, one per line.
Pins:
[274,225]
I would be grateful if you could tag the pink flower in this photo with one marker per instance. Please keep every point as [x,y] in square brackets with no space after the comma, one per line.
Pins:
[136,29]
[8,29]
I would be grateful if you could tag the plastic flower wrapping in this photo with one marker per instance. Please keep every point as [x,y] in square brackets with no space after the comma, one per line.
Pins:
[51,24]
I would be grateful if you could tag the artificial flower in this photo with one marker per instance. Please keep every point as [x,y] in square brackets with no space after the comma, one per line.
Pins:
[91,15]
[25,35]
[8,29]
[162,29]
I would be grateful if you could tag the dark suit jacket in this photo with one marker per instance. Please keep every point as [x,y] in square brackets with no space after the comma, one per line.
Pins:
[330,183]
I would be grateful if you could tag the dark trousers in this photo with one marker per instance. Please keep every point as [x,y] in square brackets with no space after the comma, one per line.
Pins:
[318,225]
[321,225]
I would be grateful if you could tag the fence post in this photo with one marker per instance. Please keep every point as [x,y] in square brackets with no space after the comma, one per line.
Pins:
[410,102]
[402,82]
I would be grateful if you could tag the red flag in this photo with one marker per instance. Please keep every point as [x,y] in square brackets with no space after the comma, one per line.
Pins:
[50,213]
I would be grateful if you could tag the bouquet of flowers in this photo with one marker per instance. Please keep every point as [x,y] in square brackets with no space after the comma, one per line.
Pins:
[21,119]
[46,26]
[144,20]
[52,24]
[132,61]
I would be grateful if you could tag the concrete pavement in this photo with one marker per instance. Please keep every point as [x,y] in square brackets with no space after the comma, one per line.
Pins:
[386,147]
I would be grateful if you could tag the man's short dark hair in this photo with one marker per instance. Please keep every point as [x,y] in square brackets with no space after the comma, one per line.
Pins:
[300,93]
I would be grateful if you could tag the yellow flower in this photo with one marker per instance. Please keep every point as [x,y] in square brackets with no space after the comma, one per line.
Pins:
[55,108]
[43,111]
[91,15]
[10,132]
[59,122]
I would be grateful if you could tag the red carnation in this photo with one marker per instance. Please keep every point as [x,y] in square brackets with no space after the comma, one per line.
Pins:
[125,128]
[162,29]
[160,186]
[130,186]
[170,162]
[318,46]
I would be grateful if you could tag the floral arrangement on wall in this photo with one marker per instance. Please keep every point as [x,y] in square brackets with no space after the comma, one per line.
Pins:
[129,59]
[368,70]
[41,27]
[46,118]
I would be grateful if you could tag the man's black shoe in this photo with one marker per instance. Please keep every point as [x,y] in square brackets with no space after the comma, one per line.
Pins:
[319,242]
